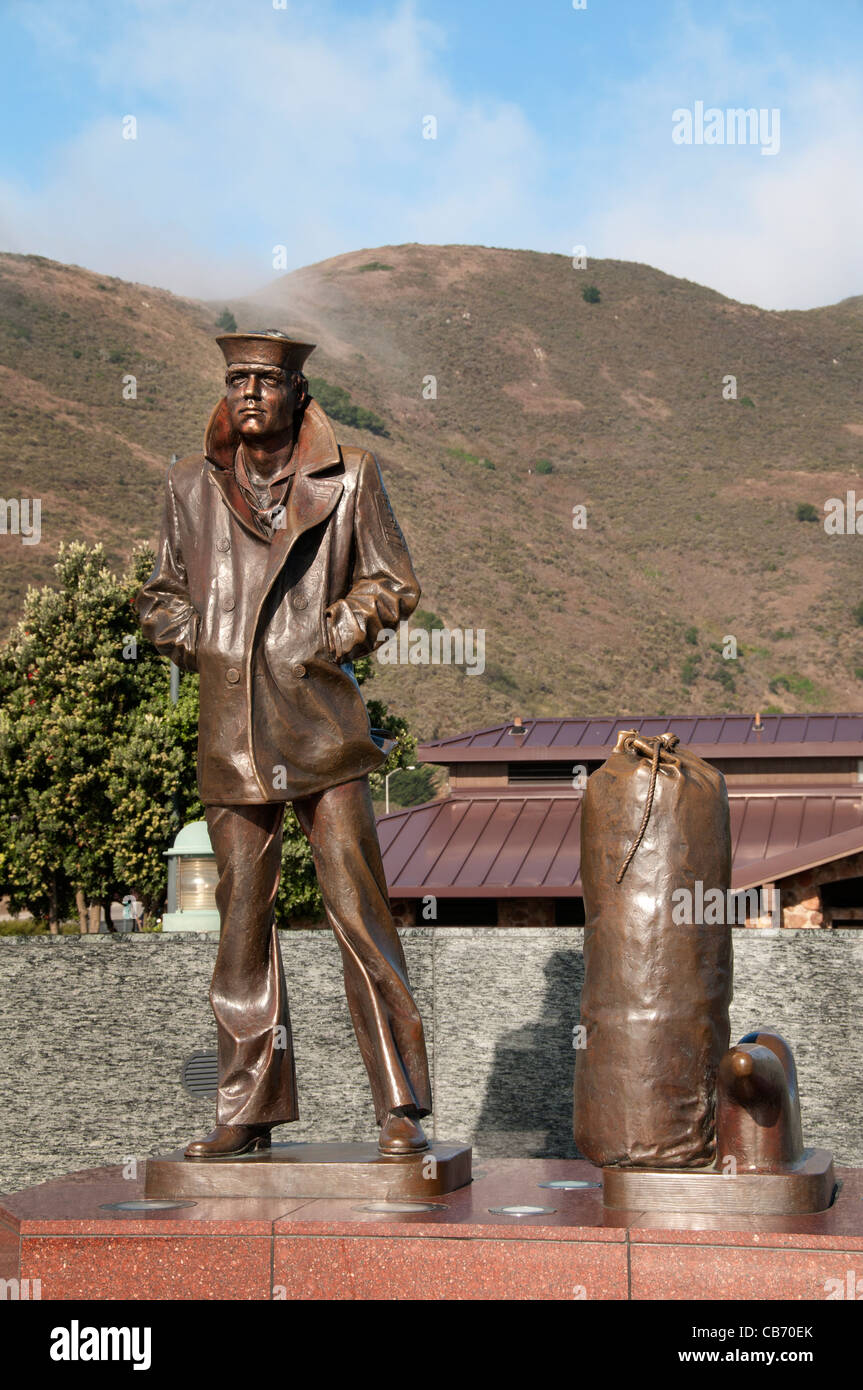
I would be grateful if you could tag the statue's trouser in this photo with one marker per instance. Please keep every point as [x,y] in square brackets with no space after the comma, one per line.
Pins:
[257,1078]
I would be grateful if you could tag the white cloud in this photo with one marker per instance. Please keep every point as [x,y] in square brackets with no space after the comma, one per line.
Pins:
[256,132]
[782,231]
[260,127]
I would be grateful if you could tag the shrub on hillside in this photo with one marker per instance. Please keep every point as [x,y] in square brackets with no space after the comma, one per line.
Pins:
[467,457]
[336,401]
[800,686]
[426,619]
[689,670]
[499,677]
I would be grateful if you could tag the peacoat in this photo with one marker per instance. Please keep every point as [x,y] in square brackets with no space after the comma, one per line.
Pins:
[272,624]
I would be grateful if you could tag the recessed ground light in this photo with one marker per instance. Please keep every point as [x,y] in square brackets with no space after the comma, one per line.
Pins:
[382,1208]
[522,1211]
[146,1204]
[567,1184]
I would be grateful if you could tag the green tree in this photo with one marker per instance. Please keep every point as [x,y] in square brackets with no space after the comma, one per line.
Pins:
[97,766]
[299,898]
[416,783]
[94,765]
[152,785]
[226,322]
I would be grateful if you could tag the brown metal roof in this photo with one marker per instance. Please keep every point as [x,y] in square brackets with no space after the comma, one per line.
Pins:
[510,845]
[774,834]
[717,736]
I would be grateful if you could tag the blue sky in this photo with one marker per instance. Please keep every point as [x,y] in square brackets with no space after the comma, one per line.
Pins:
[302,127]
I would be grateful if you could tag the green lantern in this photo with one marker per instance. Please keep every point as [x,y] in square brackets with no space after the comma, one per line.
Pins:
[192,879]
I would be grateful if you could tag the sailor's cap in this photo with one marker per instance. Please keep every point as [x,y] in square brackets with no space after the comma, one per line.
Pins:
[269,349]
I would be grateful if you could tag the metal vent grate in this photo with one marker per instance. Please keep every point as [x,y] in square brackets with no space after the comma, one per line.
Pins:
[200,1075]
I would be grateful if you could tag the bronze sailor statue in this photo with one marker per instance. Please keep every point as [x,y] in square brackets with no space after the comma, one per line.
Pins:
[279,562]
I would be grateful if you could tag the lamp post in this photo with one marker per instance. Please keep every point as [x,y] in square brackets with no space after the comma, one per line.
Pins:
[411,767]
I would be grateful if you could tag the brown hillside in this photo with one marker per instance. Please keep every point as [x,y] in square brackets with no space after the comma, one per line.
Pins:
[692,529]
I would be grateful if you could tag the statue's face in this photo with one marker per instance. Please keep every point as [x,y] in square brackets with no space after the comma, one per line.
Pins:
[261,400]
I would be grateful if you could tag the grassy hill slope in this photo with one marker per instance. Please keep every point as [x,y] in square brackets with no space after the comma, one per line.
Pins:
[692,532]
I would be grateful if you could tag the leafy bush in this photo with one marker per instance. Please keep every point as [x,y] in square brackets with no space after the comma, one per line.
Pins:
[691,636]
[590,294]
[336,402]
[470,458]
[499,677]
[544,466]
[806,512]
[723,675]
[226,322]
[689,670]
[801,686]
[423,618]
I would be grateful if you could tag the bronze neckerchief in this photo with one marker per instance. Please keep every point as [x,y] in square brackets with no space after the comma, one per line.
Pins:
[266,501]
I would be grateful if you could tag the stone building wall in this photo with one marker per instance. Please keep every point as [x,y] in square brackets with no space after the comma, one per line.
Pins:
[802,904]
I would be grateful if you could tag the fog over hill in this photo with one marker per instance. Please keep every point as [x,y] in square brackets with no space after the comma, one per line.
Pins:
[691,499]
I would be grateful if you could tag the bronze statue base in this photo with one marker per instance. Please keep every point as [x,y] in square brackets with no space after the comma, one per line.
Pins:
[807,1186]
[313,1170]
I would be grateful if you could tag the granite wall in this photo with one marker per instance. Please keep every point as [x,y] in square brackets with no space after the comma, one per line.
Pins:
[95,1030]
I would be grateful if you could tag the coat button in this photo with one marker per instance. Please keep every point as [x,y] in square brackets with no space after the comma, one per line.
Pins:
[299,601]
[223,545]
[228,604]
[232,675]
[299,670]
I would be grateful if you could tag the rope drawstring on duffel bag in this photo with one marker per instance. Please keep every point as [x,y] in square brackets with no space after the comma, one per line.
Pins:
[654,748]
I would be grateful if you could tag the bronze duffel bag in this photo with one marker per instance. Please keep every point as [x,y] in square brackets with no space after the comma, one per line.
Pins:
[656,989]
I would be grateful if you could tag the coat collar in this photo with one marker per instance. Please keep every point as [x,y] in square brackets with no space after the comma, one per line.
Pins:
[316,449]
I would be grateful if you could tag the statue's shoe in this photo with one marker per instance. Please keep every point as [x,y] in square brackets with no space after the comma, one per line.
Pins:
[226,1140]
[401,1136]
